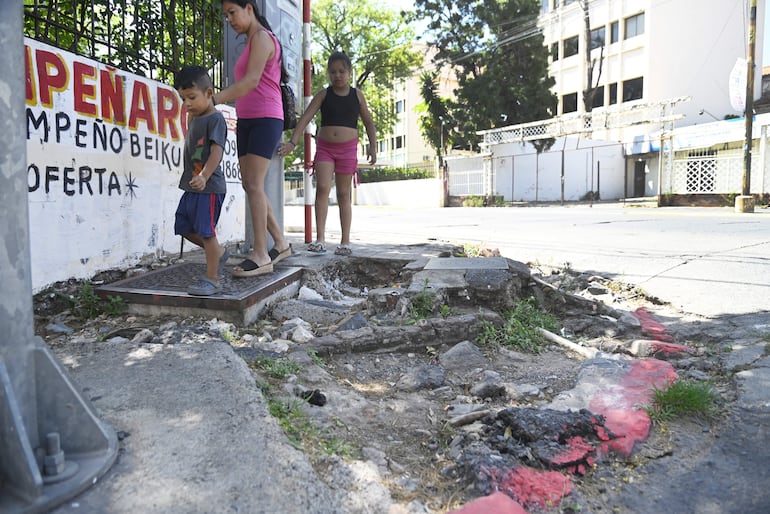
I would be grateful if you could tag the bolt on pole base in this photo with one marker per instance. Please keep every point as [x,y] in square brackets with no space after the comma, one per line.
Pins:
[55,451]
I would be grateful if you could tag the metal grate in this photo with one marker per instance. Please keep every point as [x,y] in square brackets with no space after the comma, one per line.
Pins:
[150,38]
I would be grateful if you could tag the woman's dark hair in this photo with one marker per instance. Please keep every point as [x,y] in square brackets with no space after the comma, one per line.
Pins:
[339,55]
[262,21]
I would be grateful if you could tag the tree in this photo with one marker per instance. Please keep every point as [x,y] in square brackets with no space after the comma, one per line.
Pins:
[146,37]
[590,41]
[501,63]
[435,122]
[376,38]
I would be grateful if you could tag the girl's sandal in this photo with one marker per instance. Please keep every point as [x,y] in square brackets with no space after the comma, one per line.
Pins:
[317,247]
[344,250]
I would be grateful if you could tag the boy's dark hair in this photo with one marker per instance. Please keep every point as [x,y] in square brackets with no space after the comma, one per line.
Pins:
[339,55]
[192,76]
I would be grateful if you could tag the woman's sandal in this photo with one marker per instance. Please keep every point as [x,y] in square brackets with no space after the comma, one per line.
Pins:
[278,255]
[343,250]
[317,247]
[249,268]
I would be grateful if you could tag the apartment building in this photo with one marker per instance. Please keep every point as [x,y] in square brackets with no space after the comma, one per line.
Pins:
[650,51]
[405,146]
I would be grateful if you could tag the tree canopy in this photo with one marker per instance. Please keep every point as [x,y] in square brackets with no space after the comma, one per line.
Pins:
[378,41]
[501,63]
[145,37]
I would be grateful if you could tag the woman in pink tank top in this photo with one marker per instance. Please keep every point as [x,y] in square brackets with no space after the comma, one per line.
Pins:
[257,94]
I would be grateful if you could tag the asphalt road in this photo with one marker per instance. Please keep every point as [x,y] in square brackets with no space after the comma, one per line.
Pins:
[707,261]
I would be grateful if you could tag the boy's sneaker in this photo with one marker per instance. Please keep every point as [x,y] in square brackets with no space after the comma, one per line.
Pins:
[204,287]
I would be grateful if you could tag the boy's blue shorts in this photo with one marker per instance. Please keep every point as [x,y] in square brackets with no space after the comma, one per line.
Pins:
[198,213]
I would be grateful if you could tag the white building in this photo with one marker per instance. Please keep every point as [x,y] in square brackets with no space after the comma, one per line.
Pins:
[405,146]
[650,51]
[658,66]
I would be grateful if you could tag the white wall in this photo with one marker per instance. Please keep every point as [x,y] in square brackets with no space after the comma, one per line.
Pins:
[522,175]
[416,193]
[97,205]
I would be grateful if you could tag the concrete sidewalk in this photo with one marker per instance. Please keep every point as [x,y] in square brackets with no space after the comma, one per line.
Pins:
[196,435]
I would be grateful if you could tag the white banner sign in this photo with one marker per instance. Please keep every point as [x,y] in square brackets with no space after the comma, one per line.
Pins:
[104,157]
[738,81]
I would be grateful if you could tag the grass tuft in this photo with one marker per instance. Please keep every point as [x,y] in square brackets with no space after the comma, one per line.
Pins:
[682,398]
[520,328]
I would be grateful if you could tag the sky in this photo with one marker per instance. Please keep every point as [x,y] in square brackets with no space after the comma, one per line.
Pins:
[408,4]
[766,42]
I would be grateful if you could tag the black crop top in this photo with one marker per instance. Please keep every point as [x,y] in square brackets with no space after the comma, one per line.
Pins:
[340,111]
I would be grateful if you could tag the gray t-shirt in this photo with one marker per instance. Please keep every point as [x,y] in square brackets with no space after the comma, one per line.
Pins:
[201,132]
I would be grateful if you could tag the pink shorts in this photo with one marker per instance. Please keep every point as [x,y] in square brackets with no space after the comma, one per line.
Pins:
[343,155]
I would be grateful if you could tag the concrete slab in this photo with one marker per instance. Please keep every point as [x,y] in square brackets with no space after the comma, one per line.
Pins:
[466,263]
[242,301]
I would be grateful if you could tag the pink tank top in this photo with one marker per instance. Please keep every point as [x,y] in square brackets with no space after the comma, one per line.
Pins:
[265,100]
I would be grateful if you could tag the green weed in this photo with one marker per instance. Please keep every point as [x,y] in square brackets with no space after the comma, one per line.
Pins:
[276,368]
[520,328]
[315,357]
[682,398]
[421,305]
[302,433]
[87,304]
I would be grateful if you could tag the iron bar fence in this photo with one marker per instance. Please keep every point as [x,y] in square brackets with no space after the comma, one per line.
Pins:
[147,37]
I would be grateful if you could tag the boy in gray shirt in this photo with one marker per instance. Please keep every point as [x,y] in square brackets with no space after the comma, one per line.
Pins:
[203,181]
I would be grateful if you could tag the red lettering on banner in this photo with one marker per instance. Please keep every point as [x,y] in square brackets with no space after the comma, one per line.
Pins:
[30,87]
[113,93]
[141,107]
[84,86]
[168,112]
[52,73]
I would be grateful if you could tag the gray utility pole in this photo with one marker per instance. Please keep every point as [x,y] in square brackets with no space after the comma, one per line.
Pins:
[745,202]
[52,446]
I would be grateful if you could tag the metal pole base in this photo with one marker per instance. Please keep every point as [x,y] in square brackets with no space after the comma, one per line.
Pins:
[75,448]
[744,203]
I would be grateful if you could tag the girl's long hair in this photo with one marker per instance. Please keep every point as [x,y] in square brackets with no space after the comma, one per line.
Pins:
[263,21]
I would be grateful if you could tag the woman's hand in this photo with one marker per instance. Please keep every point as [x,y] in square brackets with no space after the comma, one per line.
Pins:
[286,148]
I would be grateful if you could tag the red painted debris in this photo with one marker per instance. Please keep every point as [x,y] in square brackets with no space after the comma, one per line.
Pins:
[671,348]
[652,327]
[495,503]
[531,487]
[578,454]
[621,404]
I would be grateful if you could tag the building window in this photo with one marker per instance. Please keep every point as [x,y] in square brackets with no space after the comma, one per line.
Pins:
[633,26]
[613,93]
[555,51]
[545,6]
[597,38]
[614,32]
[381,146]
[570,46]
[399,142]
[569,103]
[633,89]
[399,107]
[598,99]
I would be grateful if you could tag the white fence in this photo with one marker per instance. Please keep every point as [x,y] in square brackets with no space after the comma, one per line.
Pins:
[572,170]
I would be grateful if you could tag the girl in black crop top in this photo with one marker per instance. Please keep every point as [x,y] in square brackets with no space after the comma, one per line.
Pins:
[336,147]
